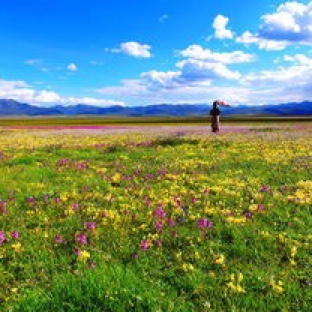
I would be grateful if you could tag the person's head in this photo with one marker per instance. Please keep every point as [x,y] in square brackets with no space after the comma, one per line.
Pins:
[214,105]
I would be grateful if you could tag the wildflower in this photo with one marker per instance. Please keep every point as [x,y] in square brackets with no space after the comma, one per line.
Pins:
[17,247]
[2,237]
[159,213]
[277,285]
[248,214]
[3,208]
[171,222]
[57,200]
[264,188]
[144,245]
[77,251]
[81,238]
[58,239]
[220,259]
[75,206]
[116,178]
[175,234]
[187,267]
[181,219]
[91,264]
[234,283]
[157,243]
[83,255]
[89,226]
[135,255]
[204,224]
[15,234]
[159,226]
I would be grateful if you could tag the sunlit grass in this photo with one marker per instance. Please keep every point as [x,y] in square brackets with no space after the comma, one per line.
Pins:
[155,222]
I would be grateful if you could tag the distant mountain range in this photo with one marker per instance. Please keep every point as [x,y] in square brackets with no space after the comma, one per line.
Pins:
[14,108]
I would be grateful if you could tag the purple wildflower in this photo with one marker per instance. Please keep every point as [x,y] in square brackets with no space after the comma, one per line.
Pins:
[171,222]
[158,226]
[2,237]
[159,213]
[57,200]
[181,219]
[89,226]
[75,206]
[15,234]
[91,264]
[58,239]
[144,245]
[157,243]
[81,238]
[264,188]
[204,224]
[248,214]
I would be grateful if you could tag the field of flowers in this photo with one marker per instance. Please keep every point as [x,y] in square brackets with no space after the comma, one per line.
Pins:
[156,221]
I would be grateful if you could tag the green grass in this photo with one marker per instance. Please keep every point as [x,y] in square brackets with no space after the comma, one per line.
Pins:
[119,181]
[163,120]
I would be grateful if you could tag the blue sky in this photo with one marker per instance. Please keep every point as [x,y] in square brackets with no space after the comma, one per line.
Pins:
[135,52]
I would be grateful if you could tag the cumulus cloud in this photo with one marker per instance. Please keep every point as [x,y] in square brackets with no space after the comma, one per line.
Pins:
[291,23]
[134,49]
[284,83]
[197,52]
[199,66]
[194,81]
[265,44]
[197,70]
[219,24]
[21,91]
[72,67]
[157,79]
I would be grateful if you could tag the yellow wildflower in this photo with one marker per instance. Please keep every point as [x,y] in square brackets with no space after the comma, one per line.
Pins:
[83,255]
[220,260]
[17,247]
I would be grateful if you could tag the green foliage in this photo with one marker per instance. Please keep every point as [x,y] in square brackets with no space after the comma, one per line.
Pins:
[155,222]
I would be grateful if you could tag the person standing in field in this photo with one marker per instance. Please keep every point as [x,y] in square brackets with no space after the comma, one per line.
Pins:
[215,115]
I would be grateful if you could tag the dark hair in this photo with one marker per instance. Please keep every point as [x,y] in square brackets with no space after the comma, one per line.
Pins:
[214,105]
[215,111]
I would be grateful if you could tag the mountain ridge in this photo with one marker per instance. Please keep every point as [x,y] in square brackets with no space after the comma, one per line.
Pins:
[9,107]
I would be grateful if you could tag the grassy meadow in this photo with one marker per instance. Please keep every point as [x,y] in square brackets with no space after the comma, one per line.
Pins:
[143,221]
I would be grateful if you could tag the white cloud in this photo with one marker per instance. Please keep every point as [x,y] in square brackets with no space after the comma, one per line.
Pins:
[270,45]
[72,67]
[298,59]
[21,91]
[194,82]
[291,23]
[163,18]
[133,48]
[197,70]
[219,24]
[158,80]
[197,52]
[33,62]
